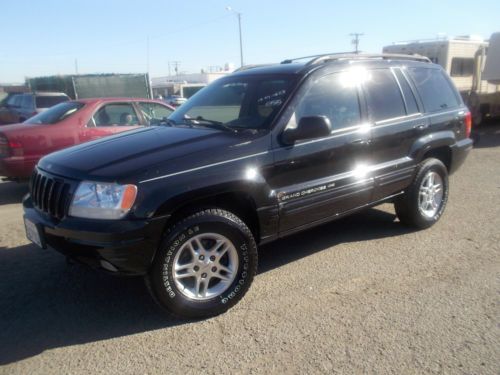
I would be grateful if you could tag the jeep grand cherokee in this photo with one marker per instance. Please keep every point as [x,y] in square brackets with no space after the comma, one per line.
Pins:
[260,154]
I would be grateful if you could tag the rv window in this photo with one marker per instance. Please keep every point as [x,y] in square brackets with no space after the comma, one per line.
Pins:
[462,67]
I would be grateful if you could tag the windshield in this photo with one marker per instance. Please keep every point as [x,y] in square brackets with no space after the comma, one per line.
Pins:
[55,114]
[241,102]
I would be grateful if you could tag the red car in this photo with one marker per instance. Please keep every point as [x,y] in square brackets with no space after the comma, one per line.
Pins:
[70,123]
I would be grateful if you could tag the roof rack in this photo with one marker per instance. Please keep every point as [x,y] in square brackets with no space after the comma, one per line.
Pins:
[317,59]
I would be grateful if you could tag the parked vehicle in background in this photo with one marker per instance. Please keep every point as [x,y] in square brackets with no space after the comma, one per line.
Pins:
[71,123]
[254,156]
[20,107]
[175,100]
[464,59]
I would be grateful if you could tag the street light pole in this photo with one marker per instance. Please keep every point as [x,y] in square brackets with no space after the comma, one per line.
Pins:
[238,14]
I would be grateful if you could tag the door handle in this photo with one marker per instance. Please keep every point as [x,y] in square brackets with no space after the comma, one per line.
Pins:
[421,126]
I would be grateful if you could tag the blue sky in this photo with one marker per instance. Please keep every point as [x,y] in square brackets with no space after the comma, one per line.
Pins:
[45,37]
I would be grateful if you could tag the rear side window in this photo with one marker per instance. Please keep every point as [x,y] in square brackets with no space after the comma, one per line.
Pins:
[411,102]
[49,101]
[383,96]
[27,101]
[434,89]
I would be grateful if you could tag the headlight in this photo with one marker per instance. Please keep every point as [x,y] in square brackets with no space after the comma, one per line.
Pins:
[98,200]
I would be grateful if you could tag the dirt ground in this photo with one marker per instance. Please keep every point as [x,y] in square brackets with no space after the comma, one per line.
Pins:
[360,295]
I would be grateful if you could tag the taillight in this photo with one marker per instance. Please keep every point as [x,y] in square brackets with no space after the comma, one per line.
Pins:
[16,148]
[10,148]
[468,124]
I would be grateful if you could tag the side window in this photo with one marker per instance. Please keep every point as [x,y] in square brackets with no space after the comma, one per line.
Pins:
[411,102]
[462,67]
[435,90]
[383,96]
[18,100]
[12,100]
[330,96]
[115,115]
[153,111]
[27,101]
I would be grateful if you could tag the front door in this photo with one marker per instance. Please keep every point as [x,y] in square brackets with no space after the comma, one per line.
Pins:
[317,179]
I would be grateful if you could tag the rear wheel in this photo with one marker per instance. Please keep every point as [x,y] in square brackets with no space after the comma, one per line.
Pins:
[424,201]
[204,266]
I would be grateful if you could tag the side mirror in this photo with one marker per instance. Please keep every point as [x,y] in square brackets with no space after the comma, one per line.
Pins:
[309,127]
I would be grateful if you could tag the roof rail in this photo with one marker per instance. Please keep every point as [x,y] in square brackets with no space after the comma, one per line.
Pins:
[250,66]
[317,59]
[289,61]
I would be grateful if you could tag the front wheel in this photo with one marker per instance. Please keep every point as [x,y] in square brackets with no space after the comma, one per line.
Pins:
[424,201]
[204,266]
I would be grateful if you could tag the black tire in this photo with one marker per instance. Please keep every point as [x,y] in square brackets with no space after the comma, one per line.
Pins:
[407,205]
[160,280]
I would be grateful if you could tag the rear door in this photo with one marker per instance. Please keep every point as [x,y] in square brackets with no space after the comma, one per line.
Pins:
[317,179]
[110,119]
[396,122]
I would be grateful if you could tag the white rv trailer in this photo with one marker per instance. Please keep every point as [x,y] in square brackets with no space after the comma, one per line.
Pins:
[463,58]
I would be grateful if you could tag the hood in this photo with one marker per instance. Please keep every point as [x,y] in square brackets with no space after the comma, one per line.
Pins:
[146,153]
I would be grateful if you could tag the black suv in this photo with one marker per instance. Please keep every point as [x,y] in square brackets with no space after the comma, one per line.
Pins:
[260,154]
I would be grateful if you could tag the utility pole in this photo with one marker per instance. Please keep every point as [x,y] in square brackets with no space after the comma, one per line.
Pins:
[238,14]
[76,66]
[355,41]
[176,65]
[147,55]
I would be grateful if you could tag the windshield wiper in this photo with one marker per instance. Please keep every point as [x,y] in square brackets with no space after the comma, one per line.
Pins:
[208,123]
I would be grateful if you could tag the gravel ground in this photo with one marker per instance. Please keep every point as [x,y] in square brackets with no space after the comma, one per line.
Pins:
[360,295]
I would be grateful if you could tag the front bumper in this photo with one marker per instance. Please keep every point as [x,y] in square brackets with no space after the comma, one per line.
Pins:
[125,247]
[459,152]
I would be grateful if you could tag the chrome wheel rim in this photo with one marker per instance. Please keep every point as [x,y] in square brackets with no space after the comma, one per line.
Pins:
[205,266]
[430,194]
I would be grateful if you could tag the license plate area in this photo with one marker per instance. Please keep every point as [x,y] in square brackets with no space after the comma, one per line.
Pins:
[34,233]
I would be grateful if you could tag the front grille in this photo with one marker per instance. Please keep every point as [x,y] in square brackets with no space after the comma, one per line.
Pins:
[50,194]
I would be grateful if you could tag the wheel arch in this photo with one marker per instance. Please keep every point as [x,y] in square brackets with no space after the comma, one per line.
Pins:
[437,145]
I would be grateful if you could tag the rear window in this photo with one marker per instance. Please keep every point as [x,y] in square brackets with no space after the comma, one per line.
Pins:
[49,101]
[56,114]
[383,96]
[434,88]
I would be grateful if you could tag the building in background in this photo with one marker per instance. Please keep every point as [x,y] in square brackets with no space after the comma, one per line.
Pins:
[187,84]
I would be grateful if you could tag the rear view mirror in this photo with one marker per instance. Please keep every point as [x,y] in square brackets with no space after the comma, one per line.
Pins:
[309,127]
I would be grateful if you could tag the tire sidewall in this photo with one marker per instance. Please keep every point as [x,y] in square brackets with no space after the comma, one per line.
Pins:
[171,297]
[433,165]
